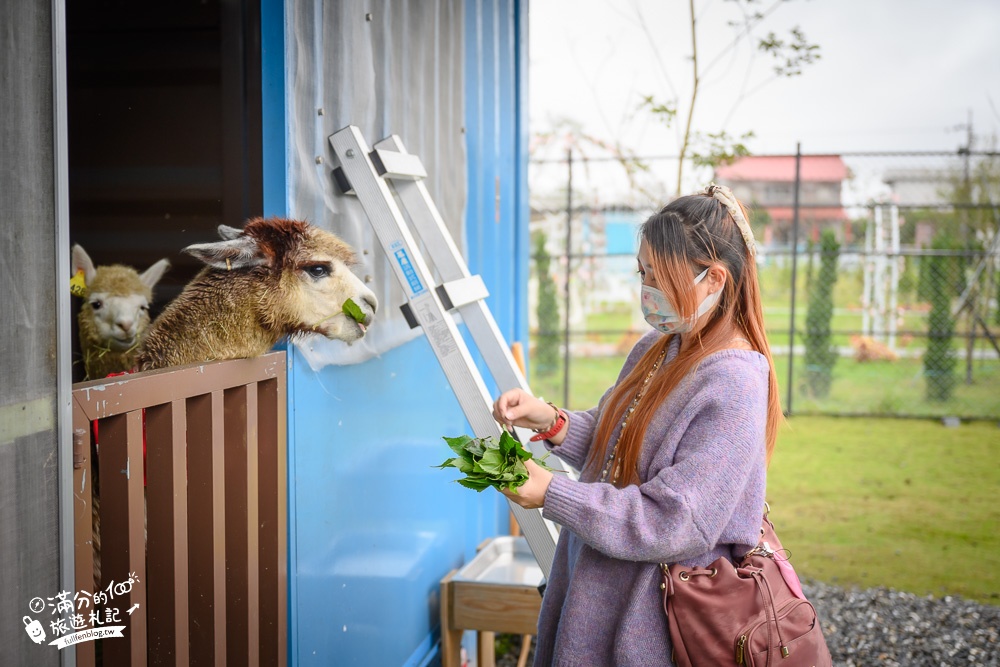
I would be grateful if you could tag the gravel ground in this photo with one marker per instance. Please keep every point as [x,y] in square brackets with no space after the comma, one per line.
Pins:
[879,626]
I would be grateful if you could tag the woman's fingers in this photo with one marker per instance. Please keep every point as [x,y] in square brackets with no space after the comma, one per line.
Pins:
[508,407]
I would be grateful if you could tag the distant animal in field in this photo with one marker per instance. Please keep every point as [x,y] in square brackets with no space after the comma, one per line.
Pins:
[115,313]
[274,278]
[869,349]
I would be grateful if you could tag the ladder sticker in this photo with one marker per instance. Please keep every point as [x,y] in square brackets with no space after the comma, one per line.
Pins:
[437,330]
[416,287]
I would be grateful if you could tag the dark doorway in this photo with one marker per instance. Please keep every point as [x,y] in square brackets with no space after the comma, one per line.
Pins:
[164,118]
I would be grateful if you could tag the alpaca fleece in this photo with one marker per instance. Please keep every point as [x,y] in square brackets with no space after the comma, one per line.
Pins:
[99,360]
[242,312]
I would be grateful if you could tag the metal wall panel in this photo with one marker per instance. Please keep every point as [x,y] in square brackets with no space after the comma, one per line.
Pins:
[29,336]
[374,525]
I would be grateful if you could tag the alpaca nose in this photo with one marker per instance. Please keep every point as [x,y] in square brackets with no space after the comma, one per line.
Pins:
[126,326]
[372,301]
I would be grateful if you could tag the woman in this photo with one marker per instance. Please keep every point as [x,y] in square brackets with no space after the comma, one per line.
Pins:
[673,458]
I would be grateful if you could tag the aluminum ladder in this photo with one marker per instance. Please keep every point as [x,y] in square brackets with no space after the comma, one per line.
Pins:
[367,174]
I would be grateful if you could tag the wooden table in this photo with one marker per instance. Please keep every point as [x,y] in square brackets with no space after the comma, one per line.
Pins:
[471,601]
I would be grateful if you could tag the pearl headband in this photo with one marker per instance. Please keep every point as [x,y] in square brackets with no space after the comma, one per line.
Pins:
[725,195]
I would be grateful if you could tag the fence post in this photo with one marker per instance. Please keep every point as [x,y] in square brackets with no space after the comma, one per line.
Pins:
[795,256]
[569,259]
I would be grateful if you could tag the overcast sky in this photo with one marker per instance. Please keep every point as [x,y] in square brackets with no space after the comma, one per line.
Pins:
[894,74]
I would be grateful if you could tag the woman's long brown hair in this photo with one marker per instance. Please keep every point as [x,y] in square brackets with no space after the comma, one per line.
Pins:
[685,237]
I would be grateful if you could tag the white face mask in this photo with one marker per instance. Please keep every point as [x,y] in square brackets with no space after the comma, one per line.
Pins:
[661,315]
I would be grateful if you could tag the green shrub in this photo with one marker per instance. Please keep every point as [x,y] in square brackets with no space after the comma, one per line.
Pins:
[939,359]
[821,355]
[547,351]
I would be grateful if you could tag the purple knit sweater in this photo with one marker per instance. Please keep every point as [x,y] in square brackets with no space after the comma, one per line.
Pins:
[702,468]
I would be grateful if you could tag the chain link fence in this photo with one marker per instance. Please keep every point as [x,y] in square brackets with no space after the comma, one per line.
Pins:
[879,274]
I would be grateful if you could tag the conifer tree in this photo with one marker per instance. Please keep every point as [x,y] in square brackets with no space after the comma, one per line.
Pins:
[547,309]
[939,360]
[821,355]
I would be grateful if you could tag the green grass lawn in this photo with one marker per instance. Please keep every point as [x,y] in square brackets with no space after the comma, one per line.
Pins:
[878,388]
[903,503]
[908,504]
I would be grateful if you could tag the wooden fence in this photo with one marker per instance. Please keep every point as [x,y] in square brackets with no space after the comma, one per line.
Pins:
[210,581]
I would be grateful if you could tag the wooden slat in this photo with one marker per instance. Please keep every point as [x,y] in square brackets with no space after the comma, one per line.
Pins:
[242,597]
[494,607]
[206,529]
[104,398]
[167,544]
[271,509]
[83,533]
[194,525]
[122,536]
[451,634]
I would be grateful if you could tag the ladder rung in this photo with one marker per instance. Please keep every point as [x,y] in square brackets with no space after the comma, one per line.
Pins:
[343,184]
[461,292]
[454,294]
[388,164]
[393,164]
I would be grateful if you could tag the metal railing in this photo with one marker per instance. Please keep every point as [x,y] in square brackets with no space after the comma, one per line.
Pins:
[903,321]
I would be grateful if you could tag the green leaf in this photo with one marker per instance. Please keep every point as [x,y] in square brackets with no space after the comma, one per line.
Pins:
[471,483]
[352,310]
[492,462]
[508,444]
[458,444]
[476,446]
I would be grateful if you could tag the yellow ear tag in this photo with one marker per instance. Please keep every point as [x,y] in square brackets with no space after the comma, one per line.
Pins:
[78,285]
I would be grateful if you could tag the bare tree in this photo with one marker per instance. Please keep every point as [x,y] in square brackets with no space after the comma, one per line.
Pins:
[790,55]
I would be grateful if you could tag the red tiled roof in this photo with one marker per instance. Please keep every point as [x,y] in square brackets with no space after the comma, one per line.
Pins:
[806,214]
[781,168]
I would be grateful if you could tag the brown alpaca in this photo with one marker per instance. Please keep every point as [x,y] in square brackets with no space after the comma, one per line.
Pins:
[115,313]
[272,279]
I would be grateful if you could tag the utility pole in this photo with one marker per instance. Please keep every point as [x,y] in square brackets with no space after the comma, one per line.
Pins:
[567,356]
[795,256]
[965,234]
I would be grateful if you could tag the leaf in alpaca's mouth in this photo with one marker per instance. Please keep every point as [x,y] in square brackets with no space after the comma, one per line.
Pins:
[352,310]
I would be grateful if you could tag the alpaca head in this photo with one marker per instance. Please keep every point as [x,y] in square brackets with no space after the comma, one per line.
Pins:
[115,310]
[305,274]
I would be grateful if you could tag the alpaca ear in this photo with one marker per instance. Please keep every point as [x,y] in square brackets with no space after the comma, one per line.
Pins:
[238,253]
[152,275]
[229,233]
[81,260]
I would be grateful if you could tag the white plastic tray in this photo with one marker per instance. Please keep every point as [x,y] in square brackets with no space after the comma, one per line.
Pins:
[504,560]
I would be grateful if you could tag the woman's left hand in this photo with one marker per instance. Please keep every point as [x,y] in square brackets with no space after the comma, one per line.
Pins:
[531,494]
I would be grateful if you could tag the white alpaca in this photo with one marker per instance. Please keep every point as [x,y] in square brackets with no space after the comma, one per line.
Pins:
[115,313]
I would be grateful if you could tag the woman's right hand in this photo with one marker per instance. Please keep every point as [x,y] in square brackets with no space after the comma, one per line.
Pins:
[517,407]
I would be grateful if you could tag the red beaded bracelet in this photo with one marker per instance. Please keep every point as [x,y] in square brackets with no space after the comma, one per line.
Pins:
[560,421]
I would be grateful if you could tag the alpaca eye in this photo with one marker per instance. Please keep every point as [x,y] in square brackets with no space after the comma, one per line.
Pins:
[144,308]
[96,304]
[318,270]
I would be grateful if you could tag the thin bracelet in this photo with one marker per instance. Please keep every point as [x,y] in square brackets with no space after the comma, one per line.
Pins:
[554,419]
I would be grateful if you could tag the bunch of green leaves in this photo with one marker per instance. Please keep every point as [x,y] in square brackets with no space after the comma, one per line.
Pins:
[486,462]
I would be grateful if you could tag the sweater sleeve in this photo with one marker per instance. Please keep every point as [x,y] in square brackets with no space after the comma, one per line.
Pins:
[583,425]
[579,436]
[692,491]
